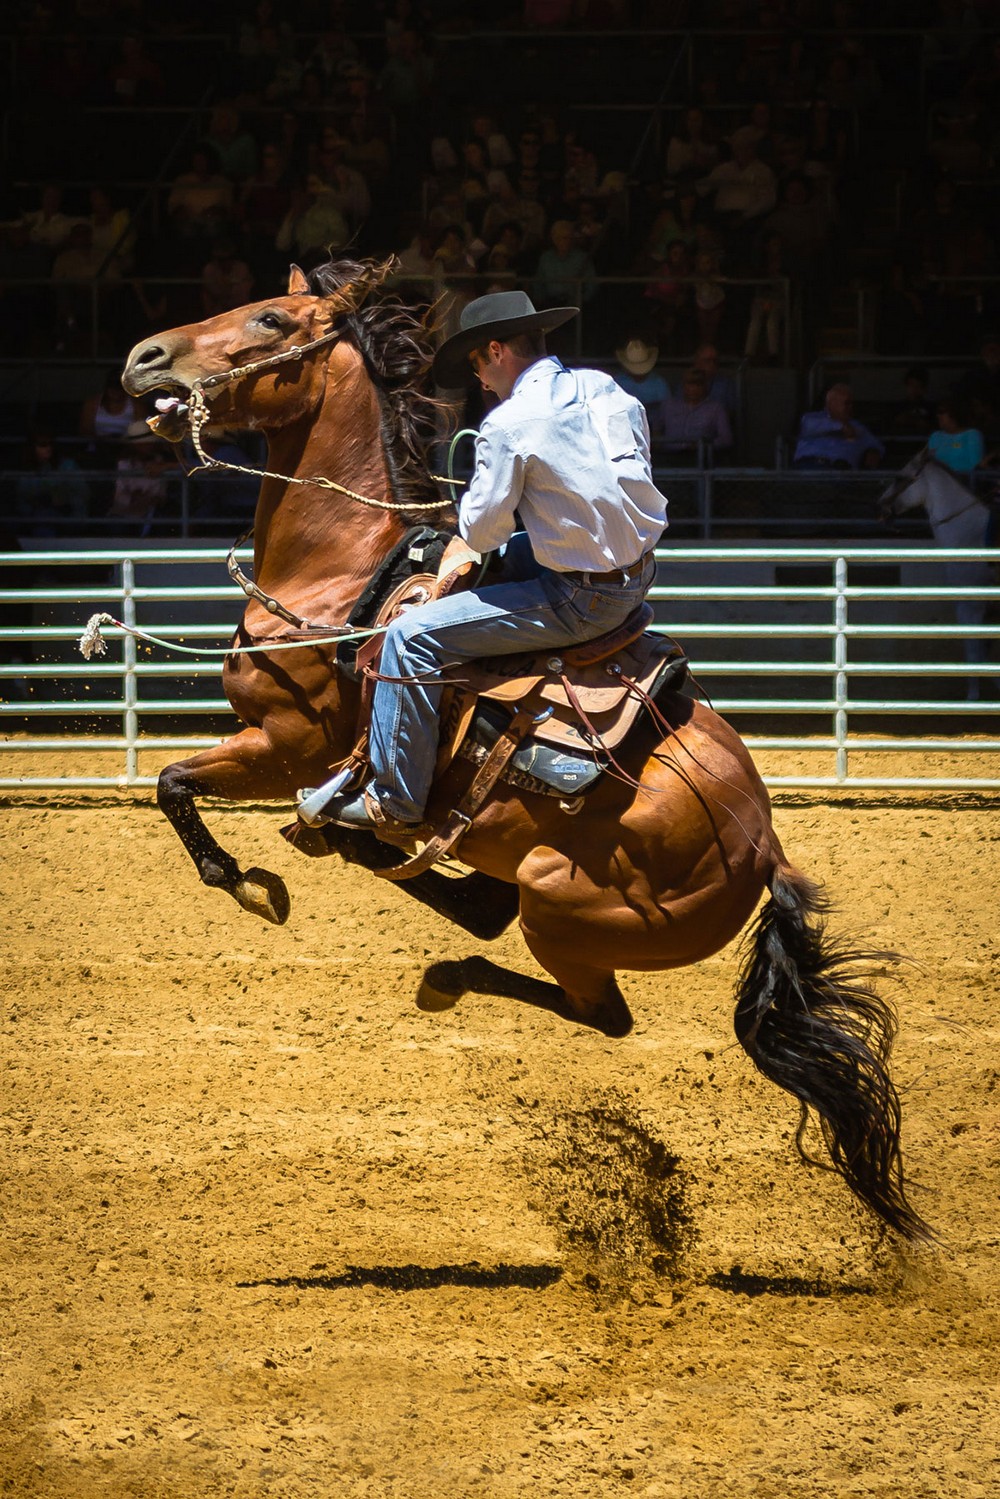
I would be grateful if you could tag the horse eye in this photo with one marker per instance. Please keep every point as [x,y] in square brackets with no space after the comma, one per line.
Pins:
[269,320]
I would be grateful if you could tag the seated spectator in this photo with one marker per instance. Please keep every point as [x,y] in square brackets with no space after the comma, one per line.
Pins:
[506,203]
[50,494]
[274,74]
[793,162]
[914,415]
[677,220]
[48,227]
[141,487]
[769,309]
[135,77]
[826,134]
[313,222]
[366,149]
[709,294]
[234,148]
[956,444]
[956,152]
[693,417]
[564,275]
[345,187]
[670,290]
[416,267]
[495,145]
[832,439]
[226,281]
[110,230]
[802,224]
[77,266]
[506,255]
[590,228]
[692,150]
[742,190]
[107,416]
[979,387]
[266,196]
[901,326]
[201,199]
[759,131]
[582,169]
[721,387]
[639,378]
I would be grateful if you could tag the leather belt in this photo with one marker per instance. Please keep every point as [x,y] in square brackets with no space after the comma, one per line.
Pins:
[616,574]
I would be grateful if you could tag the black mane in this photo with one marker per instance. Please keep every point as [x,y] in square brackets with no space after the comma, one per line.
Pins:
[394,344]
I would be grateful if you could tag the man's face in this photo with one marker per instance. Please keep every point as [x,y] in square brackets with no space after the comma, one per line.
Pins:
[492,372]
[839,405]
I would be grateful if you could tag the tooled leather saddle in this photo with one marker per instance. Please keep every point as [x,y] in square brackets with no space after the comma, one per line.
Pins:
[549,722]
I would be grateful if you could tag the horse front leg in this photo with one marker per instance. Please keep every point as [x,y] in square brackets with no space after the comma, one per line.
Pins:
[244,768]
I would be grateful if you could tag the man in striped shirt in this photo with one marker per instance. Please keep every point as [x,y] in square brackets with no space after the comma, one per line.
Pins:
[563,484]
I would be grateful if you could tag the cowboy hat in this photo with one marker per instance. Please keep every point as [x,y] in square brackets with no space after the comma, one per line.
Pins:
[500,315]
[637,357]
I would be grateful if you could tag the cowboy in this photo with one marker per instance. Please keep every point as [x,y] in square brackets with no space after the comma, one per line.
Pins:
[565,453]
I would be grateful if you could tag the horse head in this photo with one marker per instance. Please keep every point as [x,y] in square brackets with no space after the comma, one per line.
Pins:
[904,493]
[255,365]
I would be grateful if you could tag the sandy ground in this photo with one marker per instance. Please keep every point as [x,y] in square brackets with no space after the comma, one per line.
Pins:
[270,1229]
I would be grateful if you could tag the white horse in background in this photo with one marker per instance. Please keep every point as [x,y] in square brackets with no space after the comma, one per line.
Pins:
[960,520]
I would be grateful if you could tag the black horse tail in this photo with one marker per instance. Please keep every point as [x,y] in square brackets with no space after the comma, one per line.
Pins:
[808,1020]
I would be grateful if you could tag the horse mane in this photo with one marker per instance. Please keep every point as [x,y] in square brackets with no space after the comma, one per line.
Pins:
[393,341]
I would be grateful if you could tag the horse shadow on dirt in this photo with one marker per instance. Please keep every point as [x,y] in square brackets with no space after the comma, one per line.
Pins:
[420,1278]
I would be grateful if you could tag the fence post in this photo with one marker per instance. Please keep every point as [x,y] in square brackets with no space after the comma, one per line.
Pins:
[130,683]
[840,667]
[185,506]
[707,485]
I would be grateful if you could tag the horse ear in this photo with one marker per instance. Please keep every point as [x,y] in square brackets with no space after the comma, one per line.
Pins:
[297,283]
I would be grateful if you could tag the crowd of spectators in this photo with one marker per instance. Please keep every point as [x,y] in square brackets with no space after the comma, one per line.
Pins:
[403,128]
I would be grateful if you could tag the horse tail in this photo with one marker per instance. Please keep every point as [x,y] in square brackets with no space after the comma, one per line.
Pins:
[809,1021]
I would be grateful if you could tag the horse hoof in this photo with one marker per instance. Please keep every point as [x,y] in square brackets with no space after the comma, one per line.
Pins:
[264,894]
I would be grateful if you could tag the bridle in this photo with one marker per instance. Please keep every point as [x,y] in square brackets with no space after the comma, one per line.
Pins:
[198,415]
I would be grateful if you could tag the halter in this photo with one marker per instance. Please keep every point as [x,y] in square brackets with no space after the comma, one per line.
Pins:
[198,415]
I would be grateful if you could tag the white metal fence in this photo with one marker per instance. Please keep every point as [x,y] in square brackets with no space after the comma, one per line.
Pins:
[844,652]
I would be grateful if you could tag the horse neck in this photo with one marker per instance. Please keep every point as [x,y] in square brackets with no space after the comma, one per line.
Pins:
[957,518]
[305,537]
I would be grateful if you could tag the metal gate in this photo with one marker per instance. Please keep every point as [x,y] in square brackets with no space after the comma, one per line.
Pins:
[843,652]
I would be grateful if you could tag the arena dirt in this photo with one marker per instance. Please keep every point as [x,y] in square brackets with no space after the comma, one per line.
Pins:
[271,1230]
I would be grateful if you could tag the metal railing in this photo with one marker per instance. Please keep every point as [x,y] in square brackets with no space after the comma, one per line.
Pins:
[708,499]
[766,624]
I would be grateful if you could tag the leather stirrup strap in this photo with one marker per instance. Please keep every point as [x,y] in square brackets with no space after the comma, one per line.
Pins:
[459,819]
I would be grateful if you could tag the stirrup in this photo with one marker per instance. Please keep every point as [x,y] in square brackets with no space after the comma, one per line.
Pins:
[313,799]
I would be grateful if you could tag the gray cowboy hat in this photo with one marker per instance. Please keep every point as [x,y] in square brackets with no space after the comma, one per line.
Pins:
[499,315]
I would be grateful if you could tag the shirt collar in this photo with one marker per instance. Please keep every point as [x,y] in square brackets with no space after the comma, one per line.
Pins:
[549,364]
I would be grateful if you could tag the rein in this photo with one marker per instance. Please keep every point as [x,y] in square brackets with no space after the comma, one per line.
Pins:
[198,415]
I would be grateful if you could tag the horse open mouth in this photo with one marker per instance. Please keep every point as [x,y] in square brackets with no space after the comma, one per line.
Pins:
[173,414]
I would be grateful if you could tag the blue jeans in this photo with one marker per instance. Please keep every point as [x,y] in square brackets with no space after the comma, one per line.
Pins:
[530,610]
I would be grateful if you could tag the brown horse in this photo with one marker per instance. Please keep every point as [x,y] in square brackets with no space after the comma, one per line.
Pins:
[649,878]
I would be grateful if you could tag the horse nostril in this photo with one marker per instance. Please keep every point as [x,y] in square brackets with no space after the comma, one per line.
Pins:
[151,354]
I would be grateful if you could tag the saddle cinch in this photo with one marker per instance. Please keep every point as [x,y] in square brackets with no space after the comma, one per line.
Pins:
[550,722]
